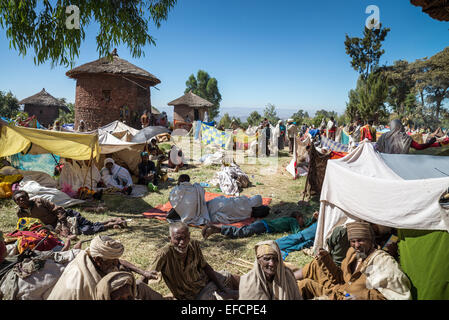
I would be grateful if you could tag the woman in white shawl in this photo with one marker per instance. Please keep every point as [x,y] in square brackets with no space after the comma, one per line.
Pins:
[269,279]
[71,175]
[115,176]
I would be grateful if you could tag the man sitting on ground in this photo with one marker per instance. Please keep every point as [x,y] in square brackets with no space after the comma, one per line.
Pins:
[269,279]
[81,276]
[147,170]
[116,286]
[365,274]
[291,224]
[115,176]
[186,272]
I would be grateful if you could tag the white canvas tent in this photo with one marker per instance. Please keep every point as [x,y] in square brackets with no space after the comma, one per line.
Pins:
[362,186]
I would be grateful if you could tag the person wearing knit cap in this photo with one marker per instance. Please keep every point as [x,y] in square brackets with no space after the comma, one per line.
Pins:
[81,276]
[269,279]
[365,274]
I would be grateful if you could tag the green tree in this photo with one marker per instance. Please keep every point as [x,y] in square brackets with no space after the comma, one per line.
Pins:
[207,88]
[31,25]
[254,119]
[352,107]
[225,121]
[270,113]
[67,117]
[372,95]
[437,79]
[366,52]
[400,86]
[300,116]
[9,105]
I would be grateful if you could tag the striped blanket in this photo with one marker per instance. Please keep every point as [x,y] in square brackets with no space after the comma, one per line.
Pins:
[333,145]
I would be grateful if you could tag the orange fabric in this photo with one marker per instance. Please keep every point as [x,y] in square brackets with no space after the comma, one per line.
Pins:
[337,155]
[160,212]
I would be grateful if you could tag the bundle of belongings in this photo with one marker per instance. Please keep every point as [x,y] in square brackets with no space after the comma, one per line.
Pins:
[30,233]
[32,275]
[231,179]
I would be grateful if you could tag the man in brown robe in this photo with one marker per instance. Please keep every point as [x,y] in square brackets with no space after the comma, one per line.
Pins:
[365,274]
[39,208]
[186,272]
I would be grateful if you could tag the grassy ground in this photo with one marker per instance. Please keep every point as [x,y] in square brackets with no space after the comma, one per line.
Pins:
[145,236]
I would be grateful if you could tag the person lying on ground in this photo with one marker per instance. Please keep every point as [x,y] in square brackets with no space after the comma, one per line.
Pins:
[292,224]
[147,170]
[269,279]
[71,223]
[115,176]
[365,274]
[188,202]
[190,206]
[299,240]
[81,276]
[186,272]
[39,208]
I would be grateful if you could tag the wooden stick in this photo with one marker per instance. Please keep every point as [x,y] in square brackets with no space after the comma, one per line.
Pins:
[245,261]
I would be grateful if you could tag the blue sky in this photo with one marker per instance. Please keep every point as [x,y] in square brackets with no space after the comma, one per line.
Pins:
[289,52]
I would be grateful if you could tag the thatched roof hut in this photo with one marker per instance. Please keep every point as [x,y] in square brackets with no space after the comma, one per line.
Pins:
[437,9]
[116,66]
[44,106]
[188,108]
[111,89]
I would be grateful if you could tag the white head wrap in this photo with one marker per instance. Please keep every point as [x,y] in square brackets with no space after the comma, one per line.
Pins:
[106,248]
[108,160]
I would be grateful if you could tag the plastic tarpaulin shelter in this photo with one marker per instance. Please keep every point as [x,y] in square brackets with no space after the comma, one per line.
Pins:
[110,144]
[147,133]
[363,186]
[34,141]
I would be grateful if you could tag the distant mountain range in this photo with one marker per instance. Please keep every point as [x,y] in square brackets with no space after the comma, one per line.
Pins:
[241,113]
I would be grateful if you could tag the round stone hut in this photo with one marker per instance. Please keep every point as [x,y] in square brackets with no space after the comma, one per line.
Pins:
[187,109]
[44,106]
[111,89]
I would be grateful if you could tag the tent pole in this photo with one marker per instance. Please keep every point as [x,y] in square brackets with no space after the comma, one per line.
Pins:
[91,177]
[90,162]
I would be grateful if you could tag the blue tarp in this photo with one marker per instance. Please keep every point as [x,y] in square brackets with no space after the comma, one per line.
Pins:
[414,167]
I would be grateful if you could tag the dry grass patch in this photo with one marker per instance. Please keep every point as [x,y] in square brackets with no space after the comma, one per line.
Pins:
[145,236]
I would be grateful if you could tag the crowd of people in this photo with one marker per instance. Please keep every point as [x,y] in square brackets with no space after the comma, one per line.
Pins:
[361,263]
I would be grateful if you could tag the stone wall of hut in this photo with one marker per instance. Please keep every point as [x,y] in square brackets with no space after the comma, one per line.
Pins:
[180,113]
[46,115]
[101,99]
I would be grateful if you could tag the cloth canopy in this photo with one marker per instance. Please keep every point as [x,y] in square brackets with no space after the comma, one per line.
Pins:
[399,191]
[34,141]
[362,186]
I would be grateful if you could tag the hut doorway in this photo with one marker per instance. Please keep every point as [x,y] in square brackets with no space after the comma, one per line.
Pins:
[196,115]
